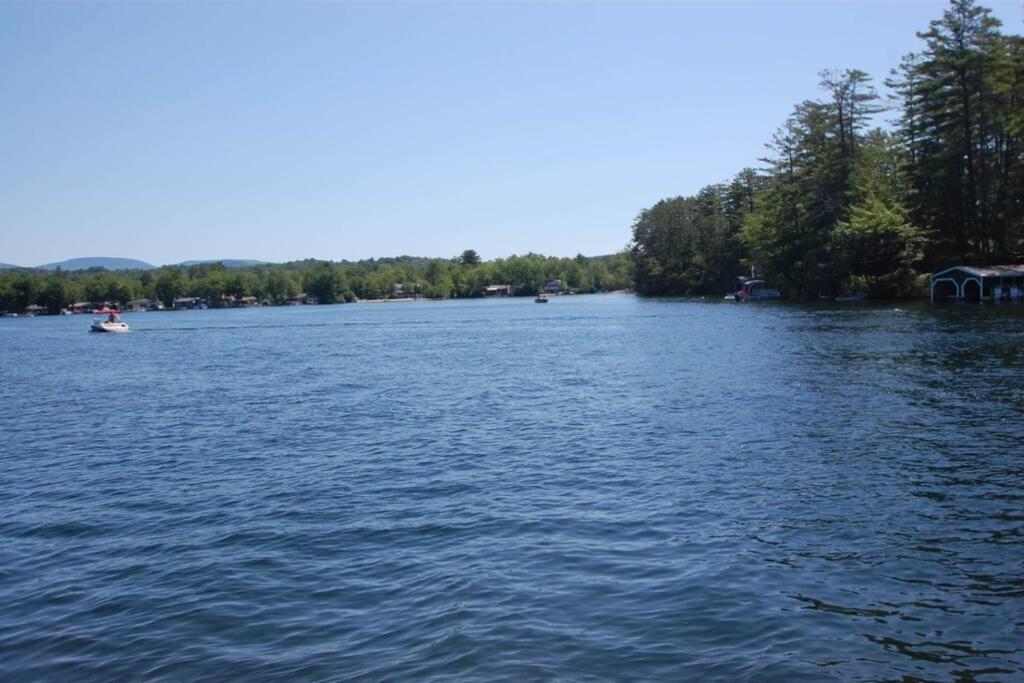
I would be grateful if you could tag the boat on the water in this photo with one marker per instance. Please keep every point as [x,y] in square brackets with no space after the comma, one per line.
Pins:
[112,323]
[753,290]
[542,298]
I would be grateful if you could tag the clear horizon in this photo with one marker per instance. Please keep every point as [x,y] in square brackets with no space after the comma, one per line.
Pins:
[167,132]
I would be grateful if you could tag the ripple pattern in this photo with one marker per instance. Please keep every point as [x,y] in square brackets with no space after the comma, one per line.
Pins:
[601,488]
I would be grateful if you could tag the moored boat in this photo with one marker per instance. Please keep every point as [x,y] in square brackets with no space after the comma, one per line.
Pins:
[753,290]
[542,298]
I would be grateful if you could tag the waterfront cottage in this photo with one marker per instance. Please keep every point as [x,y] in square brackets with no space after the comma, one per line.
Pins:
[498,290]
[183,303]
[136,305]
[979,283]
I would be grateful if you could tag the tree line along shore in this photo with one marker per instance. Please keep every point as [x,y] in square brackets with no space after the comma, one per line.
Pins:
[323,281]
[845,206]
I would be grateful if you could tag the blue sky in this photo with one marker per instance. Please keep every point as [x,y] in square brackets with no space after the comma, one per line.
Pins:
[172,131]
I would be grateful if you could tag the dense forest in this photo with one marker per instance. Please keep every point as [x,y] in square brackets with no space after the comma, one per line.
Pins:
[845,205]
[330,282]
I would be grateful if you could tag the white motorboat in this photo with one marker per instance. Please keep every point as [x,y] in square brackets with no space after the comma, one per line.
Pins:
[112,323]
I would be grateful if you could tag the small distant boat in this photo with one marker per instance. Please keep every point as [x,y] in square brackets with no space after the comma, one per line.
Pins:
[542,298]
[112,323]
[849,297]
[753,290]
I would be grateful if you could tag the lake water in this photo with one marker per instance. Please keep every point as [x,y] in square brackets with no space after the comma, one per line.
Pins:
[602,487]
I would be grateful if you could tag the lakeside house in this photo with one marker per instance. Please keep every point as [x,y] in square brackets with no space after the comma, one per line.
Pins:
[979,283]
[184,303]
[137,305]
[553,286]
[233,301]
[302,299]
[498,290]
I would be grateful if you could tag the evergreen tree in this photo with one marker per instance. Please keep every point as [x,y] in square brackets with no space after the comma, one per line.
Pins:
[955,127]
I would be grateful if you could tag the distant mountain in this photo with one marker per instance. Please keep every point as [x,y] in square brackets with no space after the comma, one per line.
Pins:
[228,262]
[99,262]
[8,266]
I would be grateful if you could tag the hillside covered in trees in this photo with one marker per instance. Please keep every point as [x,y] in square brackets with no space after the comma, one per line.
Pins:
[846,205]
[330,282]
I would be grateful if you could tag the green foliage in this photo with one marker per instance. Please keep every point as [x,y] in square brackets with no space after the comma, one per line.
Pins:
[323,281]
[690,245]
[810,187]
[25,291]
[962,98]
[7,296]
[170,284]
[842,206]
[103,286]
[878,244]
[280,285]
[56,292]
[329,282]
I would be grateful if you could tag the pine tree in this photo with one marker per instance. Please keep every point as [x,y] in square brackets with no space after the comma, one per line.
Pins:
[951,124]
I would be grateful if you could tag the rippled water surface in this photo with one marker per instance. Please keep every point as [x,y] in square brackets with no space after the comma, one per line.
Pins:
[603,487]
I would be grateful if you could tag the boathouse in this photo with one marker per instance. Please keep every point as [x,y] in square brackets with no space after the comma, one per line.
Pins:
[979,283]
[183,303]
[136,305]
[553,286]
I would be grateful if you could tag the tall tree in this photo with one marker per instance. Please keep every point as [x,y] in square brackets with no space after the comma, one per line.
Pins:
[809,189]
[690,245]
[170,284]
[952,125]
[323,282]
[469,258]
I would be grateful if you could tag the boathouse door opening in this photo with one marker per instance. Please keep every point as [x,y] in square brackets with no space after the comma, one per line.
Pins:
[945,288]
[971,290]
